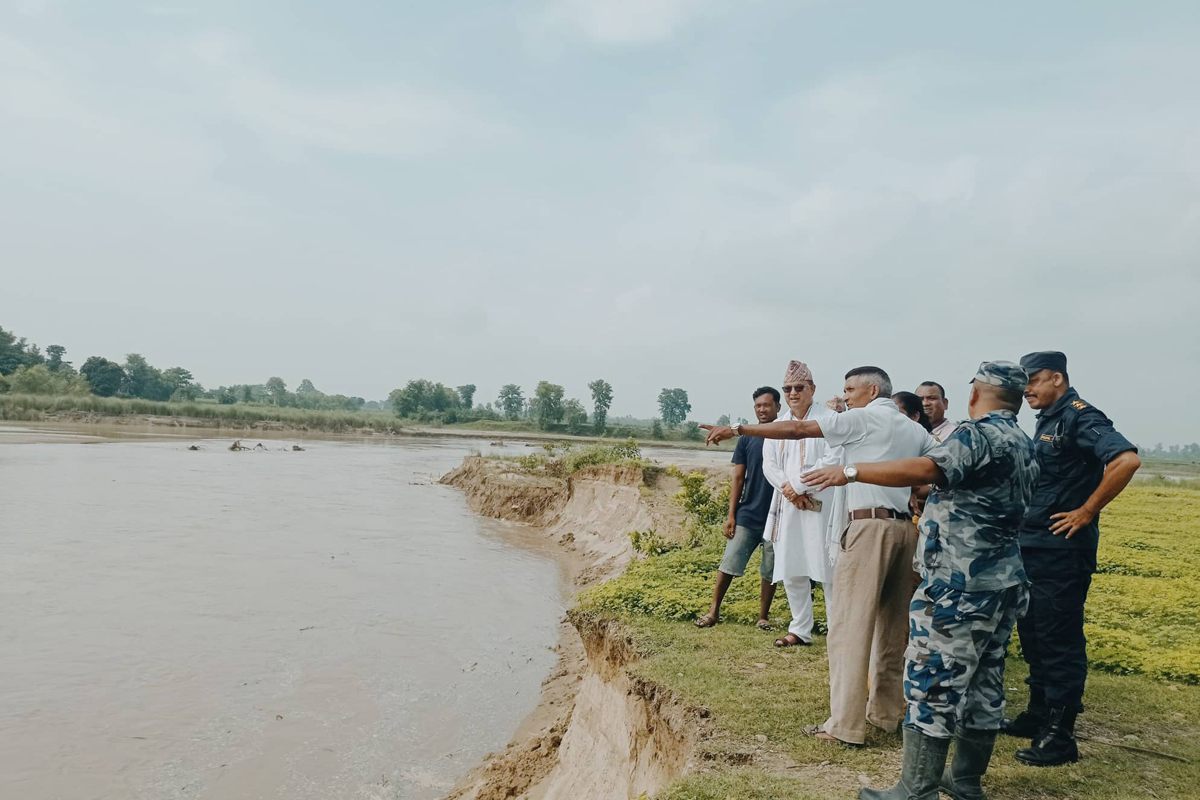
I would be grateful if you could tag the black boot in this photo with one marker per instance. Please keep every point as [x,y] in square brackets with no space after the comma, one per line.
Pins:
[1055,745]
[924,760]
[972,752]
[1029,723]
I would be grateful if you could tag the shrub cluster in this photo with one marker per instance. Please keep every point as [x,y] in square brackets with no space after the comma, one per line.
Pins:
[563,459]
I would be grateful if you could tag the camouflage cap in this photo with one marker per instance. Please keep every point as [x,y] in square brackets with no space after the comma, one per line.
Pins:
[1004,374]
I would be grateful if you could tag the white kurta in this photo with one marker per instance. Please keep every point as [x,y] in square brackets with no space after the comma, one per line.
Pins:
[802,540]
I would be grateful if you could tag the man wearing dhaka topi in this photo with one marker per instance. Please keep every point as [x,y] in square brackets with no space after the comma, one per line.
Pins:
[800,522]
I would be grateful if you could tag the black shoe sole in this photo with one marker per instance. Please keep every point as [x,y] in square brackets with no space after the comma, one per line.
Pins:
[1048,763]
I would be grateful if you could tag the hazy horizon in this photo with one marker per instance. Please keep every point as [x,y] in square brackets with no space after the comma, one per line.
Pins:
[656,192]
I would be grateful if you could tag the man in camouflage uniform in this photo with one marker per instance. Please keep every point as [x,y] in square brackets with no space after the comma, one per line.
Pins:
[973,586]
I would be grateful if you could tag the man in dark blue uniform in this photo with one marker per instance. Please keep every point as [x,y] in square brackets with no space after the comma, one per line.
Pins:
[1085,464]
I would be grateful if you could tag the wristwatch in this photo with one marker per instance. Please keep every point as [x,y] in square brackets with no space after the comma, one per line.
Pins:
[851,473]
[736,429]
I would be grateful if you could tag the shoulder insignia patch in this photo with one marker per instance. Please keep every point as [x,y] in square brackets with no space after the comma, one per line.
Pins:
[1047,437]
[1079,405]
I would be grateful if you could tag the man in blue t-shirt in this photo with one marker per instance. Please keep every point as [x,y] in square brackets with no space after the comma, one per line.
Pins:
[749,503]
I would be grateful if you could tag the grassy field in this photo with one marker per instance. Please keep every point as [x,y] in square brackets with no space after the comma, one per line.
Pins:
[1143,694]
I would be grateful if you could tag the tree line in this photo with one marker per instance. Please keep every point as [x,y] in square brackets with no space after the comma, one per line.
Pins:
[26,369]
[548,407]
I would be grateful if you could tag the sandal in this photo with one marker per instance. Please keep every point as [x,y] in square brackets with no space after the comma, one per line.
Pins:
[764,625]
[707,621]
[791,640]
[817,732]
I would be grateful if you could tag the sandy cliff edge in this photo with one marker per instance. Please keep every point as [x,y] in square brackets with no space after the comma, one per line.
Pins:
[597,732]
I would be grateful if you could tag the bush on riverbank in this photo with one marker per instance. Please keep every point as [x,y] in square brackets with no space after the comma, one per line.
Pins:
[564,459]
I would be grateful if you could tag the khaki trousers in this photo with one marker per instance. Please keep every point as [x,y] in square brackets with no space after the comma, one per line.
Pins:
[868,627]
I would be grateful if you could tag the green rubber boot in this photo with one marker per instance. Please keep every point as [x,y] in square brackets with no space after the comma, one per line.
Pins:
[924,760]
[972,752]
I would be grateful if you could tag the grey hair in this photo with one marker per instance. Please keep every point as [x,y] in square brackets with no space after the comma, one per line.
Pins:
[875,376]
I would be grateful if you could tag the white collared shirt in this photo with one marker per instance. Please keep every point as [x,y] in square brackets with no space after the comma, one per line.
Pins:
[878,432]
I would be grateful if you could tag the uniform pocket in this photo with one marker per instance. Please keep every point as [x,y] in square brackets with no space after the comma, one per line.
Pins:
[930,546]
[977,606]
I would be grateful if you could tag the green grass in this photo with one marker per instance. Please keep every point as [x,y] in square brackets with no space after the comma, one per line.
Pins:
[1144,632]
[561,460]
[33,408]
[751,688]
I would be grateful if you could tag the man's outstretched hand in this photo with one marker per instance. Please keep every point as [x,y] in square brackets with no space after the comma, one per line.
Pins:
[819,479]
[717,433]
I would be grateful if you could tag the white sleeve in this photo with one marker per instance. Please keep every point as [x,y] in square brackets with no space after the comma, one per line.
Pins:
[848,427]
[773,463]
[928,443]
[832,457]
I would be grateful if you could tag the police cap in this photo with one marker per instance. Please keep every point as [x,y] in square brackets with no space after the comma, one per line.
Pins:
[1003,375]
[1045,359]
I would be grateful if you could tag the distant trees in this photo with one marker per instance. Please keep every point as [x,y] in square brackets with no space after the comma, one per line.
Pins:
[54,357]
[548,404]
[723,419]
[466,393]
[16,352]
[181,383]
[602,395]
[575,416]
[105,377]
[276,390]
[39,379]
[656,430]
[143,380]
[511,401]
[422,395]
[674,406]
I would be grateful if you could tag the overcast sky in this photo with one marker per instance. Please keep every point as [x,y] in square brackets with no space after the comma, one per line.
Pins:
[658,192]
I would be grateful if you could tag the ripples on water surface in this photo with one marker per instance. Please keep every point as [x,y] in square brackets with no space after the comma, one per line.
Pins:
[325,624]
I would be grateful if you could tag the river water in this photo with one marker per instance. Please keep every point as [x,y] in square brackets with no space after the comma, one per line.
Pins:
[212,624]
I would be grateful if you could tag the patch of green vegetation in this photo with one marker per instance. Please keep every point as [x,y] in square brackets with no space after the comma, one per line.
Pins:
[1143,624]
[564,459]
[1143,611]
[33,408]
[650,543]
[742,784]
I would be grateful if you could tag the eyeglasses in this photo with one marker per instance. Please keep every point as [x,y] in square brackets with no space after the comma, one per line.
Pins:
[797,389]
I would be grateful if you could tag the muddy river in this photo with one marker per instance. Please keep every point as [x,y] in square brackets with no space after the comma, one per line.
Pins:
[268,624]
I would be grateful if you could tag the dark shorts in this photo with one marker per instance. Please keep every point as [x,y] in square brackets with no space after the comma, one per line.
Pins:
[739,549]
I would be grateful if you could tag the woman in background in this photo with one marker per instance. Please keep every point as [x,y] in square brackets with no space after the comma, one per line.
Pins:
[910,406]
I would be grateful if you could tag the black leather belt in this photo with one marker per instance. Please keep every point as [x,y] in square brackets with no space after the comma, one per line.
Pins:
[879,513]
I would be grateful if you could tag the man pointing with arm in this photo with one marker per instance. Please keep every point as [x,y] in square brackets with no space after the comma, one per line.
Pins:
[872,584]
[973,586]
